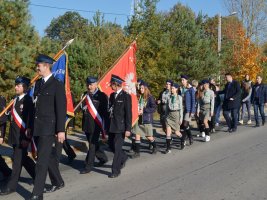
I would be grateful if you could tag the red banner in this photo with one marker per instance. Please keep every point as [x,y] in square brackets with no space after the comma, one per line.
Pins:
[125,68]
[70,109]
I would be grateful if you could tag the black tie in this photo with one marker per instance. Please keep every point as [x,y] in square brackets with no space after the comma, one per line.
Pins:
[42,82]
[17,99]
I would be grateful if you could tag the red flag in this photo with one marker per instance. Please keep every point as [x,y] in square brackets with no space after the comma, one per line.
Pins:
[70,109]
[125,68]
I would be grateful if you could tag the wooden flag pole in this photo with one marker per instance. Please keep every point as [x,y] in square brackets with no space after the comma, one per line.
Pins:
[56,57]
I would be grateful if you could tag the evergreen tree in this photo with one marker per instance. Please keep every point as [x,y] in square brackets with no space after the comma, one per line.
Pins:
[18,44]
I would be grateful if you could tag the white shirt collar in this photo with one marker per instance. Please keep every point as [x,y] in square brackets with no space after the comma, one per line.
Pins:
[21,96]
[118,92]
[47,77]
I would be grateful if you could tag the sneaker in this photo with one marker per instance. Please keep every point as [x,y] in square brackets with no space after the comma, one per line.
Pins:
[213,130]
[203,134]
[217,124]
[249,122]
[241,122]
[207,138]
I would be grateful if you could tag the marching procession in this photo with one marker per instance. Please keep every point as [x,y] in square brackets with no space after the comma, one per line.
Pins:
[39,120]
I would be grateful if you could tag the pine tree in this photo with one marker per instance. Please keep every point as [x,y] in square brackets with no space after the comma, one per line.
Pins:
[18,44]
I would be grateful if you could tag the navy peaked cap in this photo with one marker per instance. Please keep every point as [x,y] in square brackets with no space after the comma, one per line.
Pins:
[22,80]
[44,59]
[117,79]
[91,79]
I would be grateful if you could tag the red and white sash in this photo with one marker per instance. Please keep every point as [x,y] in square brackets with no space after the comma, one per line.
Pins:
[92,110]
[21,124]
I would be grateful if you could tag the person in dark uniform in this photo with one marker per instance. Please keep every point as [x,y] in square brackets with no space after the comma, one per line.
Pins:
[49,126]
[162,103]
[6,171]
[91,127]
[120,123]
[232,95]
[20,134]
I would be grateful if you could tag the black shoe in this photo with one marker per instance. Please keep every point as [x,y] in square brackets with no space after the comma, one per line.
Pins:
[263,122]
[124,163]
[7,191]
[257,125]
[234,130]
[113,175]
[100,164]
[36,197]
[54,188]
[230,130]
[85,171]
[135,155]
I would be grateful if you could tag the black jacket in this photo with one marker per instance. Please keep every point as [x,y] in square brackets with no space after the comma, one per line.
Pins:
[100,101]
[262,94]
[3,118]
[50,107]
[24,108]
[231,90]
[120,112]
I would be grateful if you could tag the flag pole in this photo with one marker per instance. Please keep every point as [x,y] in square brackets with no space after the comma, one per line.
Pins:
[56,57]
[76,107]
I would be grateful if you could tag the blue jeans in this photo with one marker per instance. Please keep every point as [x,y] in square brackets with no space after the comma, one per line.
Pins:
[258,107]
[218,113]
[248,105]
[231,118]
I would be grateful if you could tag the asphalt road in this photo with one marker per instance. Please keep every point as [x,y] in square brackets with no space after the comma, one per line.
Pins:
[229,167]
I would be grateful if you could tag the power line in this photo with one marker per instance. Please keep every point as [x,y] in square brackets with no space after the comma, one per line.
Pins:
[77,10]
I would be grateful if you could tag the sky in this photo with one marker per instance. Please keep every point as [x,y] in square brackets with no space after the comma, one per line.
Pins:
[116,10]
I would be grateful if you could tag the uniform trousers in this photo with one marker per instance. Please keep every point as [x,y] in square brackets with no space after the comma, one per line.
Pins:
[116,141]
[20,158]
[94,150]
[4,168]
[47,160]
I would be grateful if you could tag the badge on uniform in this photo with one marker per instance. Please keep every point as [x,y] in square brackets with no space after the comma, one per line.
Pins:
[21,107]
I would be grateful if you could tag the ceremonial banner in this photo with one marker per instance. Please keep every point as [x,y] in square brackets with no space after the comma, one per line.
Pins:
[60,72]
[125,68]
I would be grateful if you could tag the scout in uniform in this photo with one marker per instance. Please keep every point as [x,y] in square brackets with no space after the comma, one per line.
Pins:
[188,95]
[174,115]
[162,103]
[49,126]
[20,134]
[120,123]
[205,107]
[146,108]
[92,126]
